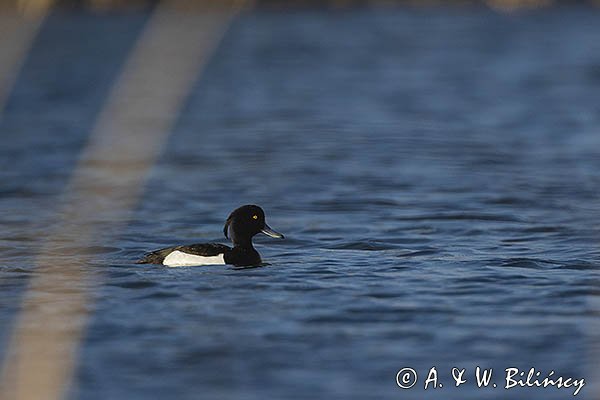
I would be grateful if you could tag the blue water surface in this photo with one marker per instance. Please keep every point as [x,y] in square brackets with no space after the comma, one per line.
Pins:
[436,173]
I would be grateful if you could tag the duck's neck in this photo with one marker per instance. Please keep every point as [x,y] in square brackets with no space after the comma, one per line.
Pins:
[243,244]
[243,253]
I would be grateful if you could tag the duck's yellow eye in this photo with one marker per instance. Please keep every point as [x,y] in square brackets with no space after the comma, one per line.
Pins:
[255,217]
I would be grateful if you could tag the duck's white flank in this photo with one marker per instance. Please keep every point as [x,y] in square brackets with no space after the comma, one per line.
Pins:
[180,259]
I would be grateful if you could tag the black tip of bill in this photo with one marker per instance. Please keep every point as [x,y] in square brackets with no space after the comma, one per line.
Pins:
[270,232]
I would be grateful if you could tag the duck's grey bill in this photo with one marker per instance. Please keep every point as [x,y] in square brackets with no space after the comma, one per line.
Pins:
[270,232]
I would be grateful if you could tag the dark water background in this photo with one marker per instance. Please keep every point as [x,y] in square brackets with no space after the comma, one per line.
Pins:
[436,173]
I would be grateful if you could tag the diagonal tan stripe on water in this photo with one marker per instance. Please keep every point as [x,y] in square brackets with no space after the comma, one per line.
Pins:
[105,186]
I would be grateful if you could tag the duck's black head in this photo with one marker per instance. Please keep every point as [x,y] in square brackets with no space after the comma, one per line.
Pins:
[245,222]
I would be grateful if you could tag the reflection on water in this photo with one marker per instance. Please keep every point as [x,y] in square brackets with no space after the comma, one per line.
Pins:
[436,176]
